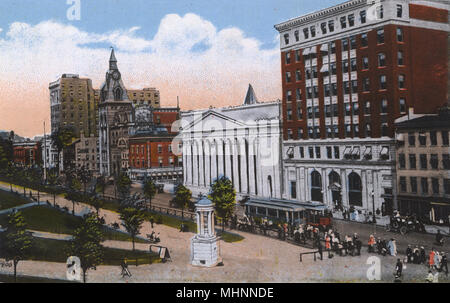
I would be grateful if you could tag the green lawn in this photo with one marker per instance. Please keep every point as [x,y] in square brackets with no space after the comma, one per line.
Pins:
[58,251]
[47,219]
[231,237]
[9,200]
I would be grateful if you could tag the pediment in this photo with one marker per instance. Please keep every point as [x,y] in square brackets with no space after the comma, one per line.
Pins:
[212,120]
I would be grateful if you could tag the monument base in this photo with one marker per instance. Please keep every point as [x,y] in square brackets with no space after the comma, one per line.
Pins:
[205,251]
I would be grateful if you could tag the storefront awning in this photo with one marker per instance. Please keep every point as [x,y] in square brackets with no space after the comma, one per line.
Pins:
[347,151]
[306,51]
[355,151]
[368,151]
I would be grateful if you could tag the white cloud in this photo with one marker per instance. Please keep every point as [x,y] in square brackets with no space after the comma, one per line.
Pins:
[188,57]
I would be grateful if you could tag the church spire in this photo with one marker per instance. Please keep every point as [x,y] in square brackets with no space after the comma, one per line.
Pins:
[250,98]
[112,60]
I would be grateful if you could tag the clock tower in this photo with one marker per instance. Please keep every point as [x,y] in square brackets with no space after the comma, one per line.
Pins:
[115,121]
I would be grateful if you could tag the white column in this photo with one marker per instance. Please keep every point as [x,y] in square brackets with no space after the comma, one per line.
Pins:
[235,166]
[213,162]
[207,164]
[195,168]
[344,192]
[228,160]
[244,167]
[201,180]
[198,222]
[251,169]
[220,160]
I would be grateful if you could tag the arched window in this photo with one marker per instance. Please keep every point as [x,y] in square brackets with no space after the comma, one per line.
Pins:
[117,94]
[316,187]
[354,189]
[334,181]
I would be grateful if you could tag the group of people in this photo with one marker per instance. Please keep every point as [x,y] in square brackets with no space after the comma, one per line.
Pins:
[382,247]
[349,245]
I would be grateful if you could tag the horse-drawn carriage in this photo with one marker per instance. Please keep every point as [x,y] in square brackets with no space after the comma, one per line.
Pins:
[405,224]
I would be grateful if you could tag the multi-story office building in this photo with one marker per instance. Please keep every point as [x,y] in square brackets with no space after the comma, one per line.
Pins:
[423,166]
[147,96]
[348,72]
[73,104]
[86,154]
[27,154]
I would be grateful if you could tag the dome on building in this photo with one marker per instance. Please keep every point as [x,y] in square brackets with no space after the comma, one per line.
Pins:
[204,202]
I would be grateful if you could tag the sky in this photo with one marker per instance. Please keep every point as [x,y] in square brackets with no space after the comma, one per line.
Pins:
[204,51]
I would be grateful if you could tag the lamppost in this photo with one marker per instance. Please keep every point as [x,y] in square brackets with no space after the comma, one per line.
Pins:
[373,207]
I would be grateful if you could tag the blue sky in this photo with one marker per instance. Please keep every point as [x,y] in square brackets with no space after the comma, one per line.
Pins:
[255,18]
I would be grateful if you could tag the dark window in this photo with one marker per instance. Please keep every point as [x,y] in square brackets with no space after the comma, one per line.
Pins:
[306,33]
[423,161]
[401,161]
[288,77]
[384,106]
[288,96]
[355,189]
[399,10]
[313,31]
[323,27]
[381,60]
[311,152]
[402,105]
[399,34]
[367,108]
[302,152]
[294,190]
[400,58]
[298,94]
[413,181]
[298,56]
[331,25]
[351,20]
[333,68]
[317,152]
[380,36]
[334,89]
[446,161]
[343,22]
[401,81]
[336,152]
[329,152]
[366,85]
[447,186]
[434,162]
[365,63]
[353,42]
[333,47]
[298,75]
[412,139]
[380,12]
[362,16]
[403,184]
[300,130]
[433,137]
[290,133]
[345,66]
[345,44]
[354,86]
[326,90]
[412,161]
[422,139]
[444,135]
[297,37]
[383,82]
[348,109]
[286,38]
[316,187]
[424,185]
[364,40]
[287,58]
[346,87]
[435,185]
[299,111]
[353,64]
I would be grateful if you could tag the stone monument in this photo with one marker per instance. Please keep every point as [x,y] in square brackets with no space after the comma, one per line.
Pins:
[204,245]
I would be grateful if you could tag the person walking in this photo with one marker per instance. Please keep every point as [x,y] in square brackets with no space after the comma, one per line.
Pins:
[152,221]
[399,268]
[371,244]
[430,277]
[409,254]
[431,258]
[444,264]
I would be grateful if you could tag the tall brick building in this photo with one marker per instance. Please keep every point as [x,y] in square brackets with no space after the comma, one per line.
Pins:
[348,72]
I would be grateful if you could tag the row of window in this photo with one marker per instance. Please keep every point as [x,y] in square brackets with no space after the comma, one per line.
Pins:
[140,149]
[424,185]
[432,138]
[343,22]
[425,161]
[347,43]
[333,152]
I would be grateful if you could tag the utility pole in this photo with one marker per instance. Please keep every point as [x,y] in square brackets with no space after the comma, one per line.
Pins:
[45,156]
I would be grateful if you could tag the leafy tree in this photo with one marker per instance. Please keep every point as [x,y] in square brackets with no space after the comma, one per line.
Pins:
[149,190]
[52,180]
[73,195]
[62,138]
[16,240]
[132,220]
[100,185]
[96,202]
[182,198]
[123,184]
[85,176]
[87,243]
[223,196]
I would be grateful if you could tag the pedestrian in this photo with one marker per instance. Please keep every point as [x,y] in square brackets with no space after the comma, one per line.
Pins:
[327,242]
[399,268]
[319,248]
[422,258]
[431,258]
[152,221]
[444,264]
[409,254]
[437,260]
[371,244]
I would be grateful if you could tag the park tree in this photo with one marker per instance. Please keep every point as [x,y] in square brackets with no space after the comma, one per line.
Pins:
[223,196]
[123,185]
[62,138]
[97,202]
[149,190]
[100,185]
[132,219]
[17,242]
[73,194]
[85,176]
[182,198]
[86,243]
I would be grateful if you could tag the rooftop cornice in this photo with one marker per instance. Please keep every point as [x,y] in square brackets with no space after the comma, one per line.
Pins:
[327,12]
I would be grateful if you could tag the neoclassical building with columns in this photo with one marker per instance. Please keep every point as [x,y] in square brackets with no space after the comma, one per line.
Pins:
[242,143]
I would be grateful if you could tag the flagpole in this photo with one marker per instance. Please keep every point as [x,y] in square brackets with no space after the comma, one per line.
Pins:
[45,156]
